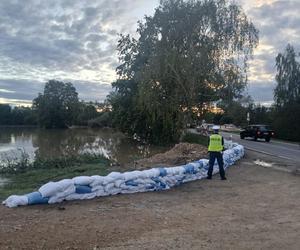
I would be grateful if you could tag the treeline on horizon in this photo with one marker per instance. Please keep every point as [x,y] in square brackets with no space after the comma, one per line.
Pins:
[57,107]
[186,57]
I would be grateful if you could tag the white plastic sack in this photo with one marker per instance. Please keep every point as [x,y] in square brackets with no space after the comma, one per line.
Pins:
[16,200]
[97,180]
[60,196]
[116,176]
[89,196]
[83,180]
[133,175]
[150,173]
[108,180]
[53,188]
[108,187]
[98,188]
[100,193]
[118,183]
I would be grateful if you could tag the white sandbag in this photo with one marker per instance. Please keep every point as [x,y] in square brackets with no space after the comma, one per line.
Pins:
[118,183]
[130,191]
[132,188]
[107,180]
[97,180]
[133,175]
[144,181]
[116,176]
[53,188]
[114,191]
[89,196]
[101,193]
[60,196]
[83,180]
[175,171]
[123,186]
[16,200]
[98,188]
[171,181]
[150,173]
[108,187]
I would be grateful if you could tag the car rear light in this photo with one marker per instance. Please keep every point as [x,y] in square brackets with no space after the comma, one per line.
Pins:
[273,133]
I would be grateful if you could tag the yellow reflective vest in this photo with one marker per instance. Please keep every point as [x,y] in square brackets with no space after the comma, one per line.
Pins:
[215,143]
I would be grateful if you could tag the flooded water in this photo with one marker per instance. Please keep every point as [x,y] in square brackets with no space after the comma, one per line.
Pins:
[54,143]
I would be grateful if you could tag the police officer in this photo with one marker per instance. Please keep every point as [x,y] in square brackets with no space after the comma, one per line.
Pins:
[215,148]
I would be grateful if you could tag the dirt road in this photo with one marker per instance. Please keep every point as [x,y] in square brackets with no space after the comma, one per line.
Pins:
[256,208]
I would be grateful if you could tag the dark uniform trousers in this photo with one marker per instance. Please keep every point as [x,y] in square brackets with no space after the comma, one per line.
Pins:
[212,158]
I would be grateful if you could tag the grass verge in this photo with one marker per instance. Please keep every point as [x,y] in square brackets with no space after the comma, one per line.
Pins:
[31,179]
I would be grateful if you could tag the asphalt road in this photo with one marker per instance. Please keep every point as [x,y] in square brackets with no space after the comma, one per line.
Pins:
[284,150]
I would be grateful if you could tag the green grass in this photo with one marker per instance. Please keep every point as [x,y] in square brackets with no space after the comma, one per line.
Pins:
[23,163]
[32,179]
[195,138]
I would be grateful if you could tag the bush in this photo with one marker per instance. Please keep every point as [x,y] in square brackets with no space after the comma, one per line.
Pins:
[286,122]
[195,138]
[102,121]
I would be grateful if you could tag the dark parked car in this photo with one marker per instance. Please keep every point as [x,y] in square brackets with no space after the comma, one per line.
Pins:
[257,131]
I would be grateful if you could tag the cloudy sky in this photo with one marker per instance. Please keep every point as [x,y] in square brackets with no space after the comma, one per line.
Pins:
[75,40]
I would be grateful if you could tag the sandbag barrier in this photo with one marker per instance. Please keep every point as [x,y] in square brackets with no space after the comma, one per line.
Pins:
[155,179]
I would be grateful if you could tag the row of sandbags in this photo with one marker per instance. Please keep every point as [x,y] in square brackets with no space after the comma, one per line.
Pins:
[89,187]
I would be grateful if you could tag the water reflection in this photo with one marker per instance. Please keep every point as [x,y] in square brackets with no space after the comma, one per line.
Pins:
[56,143]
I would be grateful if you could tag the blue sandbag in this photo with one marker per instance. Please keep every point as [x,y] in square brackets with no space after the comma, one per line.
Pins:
[131,183]
[201,165]
[150,186]
[159,183]
[189,169]
[36,198]
[180,181]
[162,172]
[80,189]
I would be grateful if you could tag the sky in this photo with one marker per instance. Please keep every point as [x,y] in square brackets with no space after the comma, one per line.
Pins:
[75,41]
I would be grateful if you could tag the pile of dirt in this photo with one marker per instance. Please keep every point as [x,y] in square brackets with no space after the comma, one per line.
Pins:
[180,154]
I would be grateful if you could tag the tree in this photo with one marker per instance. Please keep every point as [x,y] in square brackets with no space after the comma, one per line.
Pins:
[16,115]
[190,53]
[288,78]
[287,95]
[23,116]
[260,114]
[5,114]
[87,111]
[58,106]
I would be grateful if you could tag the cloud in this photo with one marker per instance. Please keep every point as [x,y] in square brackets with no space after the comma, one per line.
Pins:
[70,39]
[91,91]
[20,89]
[279,24]
[15,102]
[7,91]
[24,91]
[262,91]
[76,40]
[64,35]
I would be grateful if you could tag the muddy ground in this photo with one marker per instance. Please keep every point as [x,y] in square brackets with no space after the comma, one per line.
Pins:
[180,154]
[256,208]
